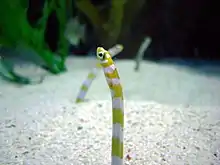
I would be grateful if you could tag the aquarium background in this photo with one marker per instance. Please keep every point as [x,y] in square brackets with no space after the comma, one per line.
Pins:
[168,67]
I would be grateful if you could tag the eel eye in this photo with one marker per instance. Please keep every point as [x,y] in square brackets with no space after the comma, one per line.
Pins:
[101,55]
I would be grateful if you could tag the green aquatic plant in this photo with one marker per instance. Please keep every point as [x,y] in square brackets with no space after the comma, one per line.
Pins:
[16,30]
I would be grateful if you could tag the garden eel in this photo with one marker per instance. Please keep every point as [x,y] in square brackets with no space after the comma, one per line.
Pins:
[92,75]
[113,80]
[140,54]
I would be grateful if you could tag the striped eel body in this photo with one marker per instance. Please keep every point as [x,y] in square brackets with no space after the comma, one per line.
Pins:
[113,80]
[92,75]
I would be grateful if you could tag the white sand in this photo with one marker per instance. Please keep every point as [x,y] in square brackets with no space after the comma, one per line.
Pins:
[171,118]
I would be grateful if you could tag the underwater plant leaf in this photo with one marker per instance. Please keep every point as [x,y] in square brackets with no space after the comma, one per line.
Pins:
[53,61]
[116,17]
[7,73]
[17,30]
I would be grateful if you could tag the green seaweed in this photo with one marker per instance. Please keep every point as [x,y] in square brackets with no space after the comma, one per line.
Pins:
[15,29]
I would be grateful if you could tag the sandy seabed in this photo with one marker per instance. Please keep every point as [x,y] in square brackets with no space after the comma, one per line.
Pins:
[171,117]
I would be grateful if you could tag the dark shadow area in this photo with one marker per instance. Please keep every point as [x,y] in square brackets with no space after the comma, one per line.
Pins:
[184,33]
[35,11]
[177,28]
[51,33]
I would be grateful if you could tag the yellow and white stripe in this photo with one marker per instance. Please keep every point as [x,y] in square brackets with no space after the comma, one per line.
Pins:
[92,75]
[113,80]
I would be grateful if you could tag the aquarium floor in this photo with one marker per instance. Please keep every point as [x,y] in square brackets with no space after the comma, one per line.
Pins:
[171,117]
